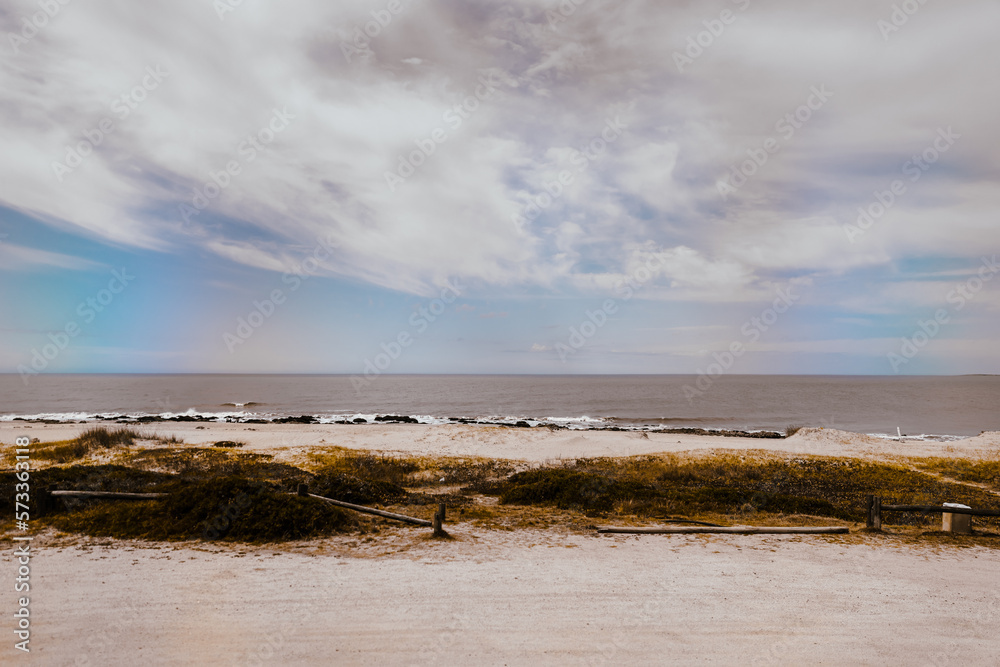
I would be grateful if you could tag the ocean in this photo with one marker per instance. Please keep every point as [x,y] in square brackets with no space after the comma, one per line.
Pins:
[938,408]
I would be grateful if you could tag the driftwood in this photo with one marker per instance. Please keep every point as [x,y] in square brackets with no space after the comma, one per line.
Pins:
[303,491]
[731,530]
[108,494]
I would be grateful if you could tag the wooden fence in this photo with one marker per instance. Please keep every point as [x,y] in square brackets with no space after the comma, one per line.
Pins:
[875,509]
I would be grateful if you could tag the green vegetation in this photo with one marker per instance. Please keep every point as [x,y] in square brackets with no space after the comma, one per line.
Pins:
[102,438]
[369,467]
[225,493]
[572,489]
[96,440]
[226,507]
[981,472]
[729,484]
[329,482]
[208,462]
[90,441]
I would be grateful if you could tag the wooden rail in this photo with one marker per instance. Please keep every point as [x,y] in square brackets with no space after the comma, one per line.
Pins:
[934,509]
[875,509]
[303,490]
[731,530]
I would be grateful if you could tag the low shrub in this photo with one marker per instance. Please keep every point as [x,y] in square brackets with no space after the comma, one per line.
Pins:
[571,489]
[227,507]
[331,483]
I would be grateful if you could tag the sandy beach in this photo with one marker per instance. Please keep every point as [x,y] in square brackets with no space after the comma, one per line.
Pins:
[524,444]
[512,597]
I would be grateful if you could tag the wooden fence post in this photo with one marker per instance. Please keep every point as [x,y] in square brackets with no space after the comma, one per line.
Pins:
[438,520]
[303,490]
[44,502]
[870,501]
[877,512]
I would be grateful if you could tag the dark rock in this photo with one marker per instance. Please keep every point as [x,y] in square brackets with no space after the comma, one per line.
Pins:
[304,419]
[404,419]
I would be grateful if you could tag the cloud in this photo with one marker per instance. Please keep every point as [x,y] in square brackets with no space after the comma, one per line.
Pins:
[495,103]
[20,258]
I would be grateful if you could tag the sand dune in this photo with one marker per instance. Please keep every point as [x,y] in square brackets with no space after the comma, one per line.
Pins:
[537,444]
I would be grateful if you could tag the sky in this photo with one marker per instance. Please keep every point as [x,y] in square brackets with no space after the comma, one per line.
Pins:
[435,186]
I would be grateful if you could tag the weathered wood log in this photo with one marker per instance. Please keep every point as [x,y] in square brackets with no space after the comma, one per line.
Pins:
[108,494]
[733,530]
[371,510]
[937,509]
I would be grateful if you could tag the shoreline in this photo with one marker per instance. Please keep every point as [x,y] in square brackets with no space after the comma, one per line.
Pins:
[582,424]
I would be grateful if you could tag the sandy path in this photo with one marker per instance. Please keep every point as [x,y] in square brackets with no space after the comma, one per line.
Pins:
[538,444]
[522,598]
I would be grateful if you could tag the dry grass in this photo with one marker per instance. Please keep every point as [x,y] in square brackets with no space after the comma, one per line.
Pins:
[747,487]
[92,440]
[733,484]
[96,441]
[981,472]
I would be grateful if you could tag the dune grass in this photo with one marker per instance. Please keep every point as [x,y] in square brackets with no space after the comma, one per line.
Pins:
[95,440]
[221,508]
[90,441]
[731,484]
[982,472]
[250,490]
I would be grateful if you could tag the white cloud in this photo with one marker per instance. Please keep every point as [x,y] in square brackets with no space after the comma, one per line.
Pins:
[19,258]
[655,188]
